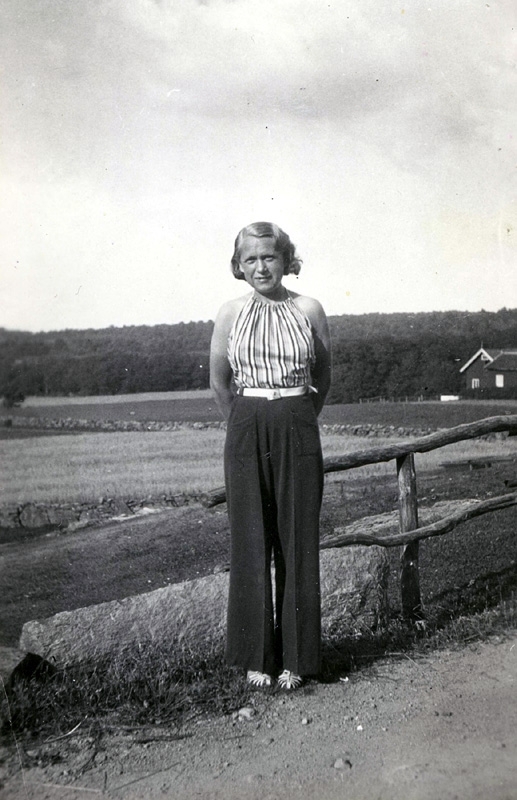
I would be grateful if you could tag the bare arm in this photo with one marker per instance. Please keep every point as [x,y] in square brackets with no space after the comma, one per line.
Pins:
[321,371]
[220,370]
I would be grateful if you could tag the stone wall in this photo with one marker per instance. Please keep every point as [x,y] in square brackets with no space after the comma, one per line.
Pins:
[71,424]
[68,423]
[74,516]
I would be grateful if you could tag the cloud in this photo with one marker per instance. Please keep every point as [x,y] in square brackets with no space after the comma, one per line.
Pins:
[99,77]
[378,135]
[344,56]
[420,85]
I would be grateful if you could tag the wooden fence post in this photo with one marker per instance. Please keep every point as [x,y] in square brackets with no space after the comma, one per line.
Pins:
[408,514]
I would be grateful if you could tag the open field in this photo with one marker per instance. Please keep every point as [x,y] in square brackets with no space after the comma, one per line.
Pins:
[194,394]
[200,407]
[85,467]
[82,467]
[159,407]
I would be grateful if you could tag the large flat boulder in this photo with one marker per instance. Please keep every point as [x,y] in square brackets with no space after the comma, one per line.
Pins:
[193,613]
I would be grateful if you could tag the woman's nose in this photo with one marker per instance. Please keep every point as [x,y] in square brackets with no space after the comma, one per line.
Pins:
[261,265]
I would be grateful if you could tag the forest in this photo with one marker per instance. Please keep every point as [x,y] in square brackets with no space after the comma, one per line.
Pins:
[374,355]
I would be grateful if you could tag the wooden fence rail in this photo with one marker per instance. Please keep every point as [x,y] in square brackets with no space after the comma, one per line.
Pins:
[438,528]
[410,533]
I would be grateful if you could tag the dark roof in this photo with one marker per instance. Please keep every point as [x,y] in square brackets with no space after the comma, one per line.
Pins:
[484,354]
[506,361]
[491,356]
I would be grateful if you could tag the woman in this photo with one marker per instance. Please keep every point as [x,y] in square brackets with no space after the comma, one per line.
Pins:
[270,373]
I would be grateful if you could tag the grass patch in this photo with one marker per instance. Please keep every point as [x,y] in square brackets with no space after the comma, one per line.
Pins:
[135,465]
[153,685]
[424,462]
[344,655]
[85,467]
[430,414]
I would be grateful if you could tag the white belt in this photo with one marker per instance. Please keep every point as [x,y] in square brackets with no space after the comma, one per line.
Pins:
[276,394]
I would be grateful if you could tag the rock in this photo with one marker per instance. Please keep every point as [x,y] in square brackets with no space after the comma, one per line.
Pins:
[245,713]
[9,518]
[77,526]
[32,516]
[10,657]
[341,763]
[119,508]
[192,614]
[61,516]
[31,667]
[88,515]
[354,588]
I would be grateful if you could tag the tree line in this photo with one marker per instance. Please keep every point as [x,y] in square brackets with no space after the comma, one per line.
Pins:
[374,355]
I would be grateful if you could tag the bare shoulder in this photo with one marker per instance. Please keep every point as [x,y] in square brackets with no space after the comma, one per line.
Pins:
[226,316]
[310,306]
[314,312]
[229,310]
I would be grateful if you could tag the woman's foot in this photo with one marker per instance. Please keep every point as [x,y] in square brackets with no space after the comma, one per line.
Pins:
[259,679]
[289,680]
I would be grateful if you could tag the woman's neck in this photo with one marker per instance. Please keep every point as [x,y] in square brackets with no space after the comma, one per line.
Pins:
[278,297]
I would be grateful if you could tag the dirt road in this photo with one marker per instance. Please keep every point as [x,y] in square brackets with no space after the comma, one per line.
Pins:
[435,728]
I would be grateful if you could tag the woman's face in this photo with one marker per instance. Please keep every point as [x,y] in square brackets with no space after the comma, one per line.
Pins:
[262,266]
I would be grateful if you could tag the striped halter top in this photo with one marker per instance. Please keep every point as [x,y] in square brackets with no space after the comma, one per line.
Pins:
[270,345]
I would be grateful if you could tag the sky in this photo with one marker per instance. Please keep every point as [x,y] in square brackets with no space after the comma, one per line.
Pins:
[137,137]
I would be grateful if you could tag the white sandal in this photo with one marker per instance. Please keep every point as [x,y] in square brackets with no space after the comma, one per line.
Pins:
[289,680]
[259,679]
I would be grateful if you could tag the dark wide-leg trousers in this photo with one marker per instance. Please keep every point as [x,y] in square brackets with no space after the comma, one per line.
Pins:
[274,485]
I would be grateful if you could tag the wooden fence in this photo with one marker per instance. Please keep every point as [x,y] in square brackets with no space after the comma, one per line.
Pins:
[409,533]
